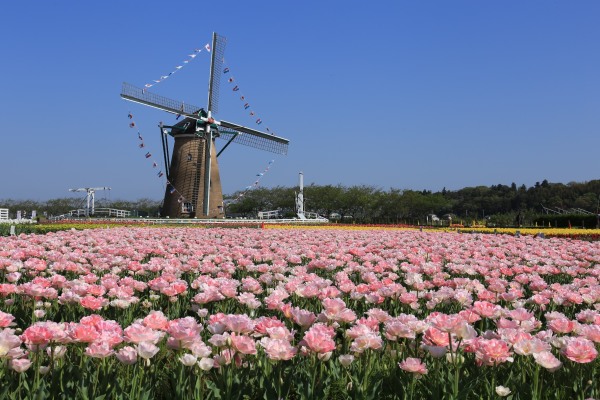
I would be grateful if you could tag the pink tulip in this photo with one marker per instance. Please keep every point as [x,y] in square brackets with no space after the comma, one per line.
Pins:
[146,350]
[20,364]
[156,320]
[243,344]
[127,355]
[435,337]
[188,360]
[532,346]
[206,364]
[591,332]
[346,359]
[263,323]
[83,333]
[137,333]
[239,323]
[184,329]
[304,318]
[561,325]
[491,352]
[369,341]
[547,360]
[580,350]
[9,342]
[414,366]
[319,338]
[37,336]
[6,319]
[486,309]
[93,303]
[98,350]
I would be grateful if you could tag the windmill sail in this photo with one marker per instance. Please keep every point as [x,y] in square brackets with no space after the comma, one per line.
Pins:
[216,65]
[253,138]
[245,136]
[142,96]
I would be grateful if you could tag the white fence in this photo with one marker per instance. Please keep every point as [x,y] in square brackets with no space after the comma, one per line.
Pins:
[3,214]
[268,214]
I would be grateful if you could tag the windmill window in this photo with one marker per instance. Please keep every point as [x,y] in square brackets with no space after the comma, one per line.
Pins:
[189,157]
[187,207]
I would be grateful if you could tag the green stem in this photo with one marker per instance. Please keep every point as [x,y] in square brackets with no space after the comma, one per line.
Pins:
[36,382]
[97,378]
[536,376]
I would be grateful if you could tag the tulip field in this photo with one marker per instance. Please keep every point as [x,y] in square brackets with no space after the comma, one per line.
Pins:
[245,313]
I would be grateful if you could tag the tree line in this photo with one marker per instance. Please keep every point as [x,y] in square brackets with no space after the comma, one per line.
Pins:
[500,204]
[504,205]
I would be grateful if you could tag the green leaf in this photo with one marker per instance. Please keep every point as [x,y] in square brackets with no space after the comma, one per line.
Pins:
[214,390]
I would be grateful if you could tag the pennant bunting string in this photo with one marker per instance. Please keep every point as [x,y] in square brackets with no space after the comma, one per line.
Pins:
[246,104]
[177,68]
[149,156]
[256,182]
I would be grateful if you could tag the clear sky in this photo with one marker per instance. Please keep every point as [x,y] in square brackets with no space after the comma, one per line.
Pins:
[403,94]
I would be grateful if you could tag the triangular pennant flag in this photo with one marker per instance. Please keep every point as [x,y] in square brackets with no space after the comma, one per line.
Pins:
[207,47]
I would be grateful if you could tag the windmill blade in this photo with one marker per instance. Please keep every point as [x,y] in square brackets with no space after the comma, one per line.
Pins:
[142,96]
[252,138]
[216,65]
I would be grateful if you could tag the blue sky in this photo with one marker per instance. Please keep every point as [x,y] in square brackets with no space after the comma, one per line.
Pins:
[402,94]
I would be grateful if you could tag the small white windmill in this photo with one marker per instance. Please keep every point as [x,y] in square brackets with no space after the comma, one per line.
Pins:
[89,197]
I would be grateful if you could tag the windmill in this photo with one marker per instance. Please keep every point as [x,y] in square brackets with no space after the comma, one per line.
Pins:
[194,188]
[89,198]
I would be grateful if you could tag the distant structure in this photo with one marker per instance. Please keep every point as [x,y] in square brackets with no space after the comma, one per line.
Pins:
[3,214]
[300,198]
[300,209]
[89,210]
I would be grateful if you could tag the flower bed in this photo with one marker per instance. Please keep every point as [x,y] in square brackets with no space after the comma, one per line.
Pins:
[301,314]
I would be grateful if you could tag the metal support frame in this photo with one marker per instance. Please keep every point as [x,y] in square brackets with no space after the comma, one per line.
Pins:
[228,143]
[165,147]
